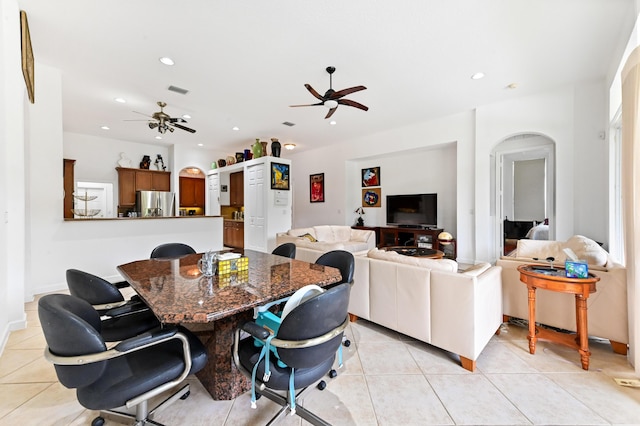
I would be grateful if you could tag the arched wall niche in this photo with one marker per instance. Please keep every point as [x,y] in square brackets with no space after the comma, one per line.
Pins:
[191,193]
[523,186]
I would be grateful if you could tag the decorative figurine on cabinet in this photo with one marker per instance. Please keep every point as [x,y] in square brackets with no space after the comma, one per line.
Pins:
[160,163]
[146,162]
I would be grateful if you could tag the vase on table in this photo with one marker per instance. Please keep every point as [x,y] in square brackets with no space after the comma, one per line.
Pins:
[275,147]
[264,148]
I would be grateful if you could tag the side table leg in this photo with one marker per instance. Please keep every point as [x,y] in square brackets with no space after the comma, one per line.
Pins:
[532,320]
[583,334]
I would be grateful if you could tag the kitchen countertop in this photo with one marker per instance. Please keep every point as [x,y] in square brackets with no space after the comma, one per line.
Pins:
[138,218]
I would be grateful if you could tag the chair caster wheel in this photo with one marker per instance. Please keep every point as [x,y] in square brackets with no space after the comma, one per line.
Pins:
[98,421]
[333,373]
[186,395]
[347,343]
[322,385]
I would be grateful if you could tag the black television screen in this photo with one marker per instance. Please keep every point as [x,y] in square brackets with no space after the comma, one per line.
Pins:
[412,210]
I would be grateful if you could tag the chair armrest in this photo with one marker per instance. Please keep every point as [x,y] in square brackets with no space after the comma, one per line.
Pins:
[145,339]
[131,307]
[255,330]
[122,284]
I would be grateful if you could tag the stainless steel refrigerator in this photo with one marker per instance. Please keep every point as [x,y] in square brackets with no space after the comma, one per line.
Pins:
[155,203]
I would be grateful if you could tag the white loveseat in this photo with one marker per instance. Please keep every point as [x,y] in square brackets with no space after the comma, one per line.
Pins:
[429,300]
[314,241]
[606,308]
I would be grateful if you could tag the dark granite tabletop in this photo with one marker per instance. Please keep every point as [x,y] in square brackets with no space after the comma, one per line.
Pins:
[177,292]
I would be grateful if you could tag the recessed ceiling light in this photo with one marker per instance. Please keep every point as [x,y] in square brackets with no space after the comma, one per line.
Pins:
[120,100]
[289,146]
[236,128]
[200,144]
[166,60]
[332,122]
[512,86]
[477,76]
[158,137]
[186,116]
[105,127]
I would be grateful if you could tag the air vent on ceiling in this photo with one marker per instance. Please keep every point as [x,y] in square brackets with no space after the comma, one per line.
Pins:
[288,123]
[178,90]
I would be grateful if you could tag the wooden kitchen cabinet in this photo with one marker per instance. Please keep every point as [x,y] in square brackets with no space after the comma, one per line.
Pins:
[132,180]
[236,188]
[233,234]
[191,192]
[69,186]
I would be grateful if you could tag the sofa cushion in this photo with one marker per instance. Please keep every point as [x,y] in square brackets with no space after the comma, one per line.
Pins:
[423,262]
[324,233]
[587,249]
[320,245]
[541,249]
[341,233]
[355,246]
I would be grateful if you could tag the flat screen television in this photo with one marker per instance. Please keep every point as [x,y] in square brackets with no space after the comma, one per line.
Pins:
[412,210]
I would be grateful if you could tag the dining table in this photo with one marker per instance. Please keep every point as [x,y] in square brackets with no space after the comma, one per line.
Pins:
[213,307]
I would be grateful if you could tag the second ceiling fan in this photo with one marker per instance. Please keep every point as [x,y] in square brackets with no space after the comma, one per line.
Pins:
[331,99]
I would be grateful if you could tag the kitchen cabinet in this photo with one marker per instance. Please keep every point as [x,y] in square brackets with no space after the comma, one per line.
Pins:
[233,235]
[191,192]
[236,189]
[132,180]
[69,183]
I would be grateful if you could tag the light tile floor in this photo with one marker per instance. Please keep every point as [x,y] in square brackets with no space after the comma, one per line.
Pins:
[388,379]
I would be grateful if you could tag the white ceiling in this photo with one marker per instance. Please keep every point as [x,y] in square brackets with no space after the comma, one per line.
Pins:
[244,62]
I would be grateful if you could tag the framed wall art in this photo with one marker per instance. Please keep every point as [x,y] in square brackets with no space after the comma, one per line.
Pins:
[27,56]
[316,188]
[371,176]
[371,197]
[280,176]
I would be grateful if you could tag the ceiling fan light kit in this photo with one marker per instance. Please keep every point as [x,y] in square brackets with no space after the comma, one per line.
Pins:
[164,121]
[333,99]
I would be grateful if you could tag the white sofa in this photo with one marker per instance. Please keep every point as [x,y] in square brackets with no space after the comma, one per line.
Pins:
[314,241]
[429,300]
[606,308]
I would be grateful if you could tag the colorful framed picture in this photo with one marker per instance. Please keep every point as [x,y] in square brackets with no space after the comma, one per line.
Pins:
[371,197]
[371,176]
[316,188]
[280,176]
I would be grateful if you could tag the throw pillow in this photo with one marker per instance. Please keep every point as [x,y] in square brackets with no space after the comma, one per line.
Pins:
[308,237]
[587,249]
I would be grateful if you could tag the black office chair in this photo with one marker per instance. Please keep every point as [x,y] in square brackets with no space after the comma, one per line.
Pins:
[122,318]
[342,260]
[307,342]
[346,263]
[129,374]
[171,250]
[286,250]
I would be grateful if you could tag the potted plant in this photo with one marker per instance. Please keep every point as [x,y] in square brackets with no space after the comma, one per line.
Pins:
[359,211]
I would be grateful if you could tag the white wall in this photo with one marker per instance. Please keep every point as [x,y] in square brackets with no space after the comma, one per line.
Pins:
[341,165]
[53,245]
[417,171]
[555,114]
[13,104]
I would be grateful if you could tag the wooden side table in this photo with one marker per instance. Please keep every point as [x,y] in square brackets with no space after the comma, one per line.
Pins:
[554,279]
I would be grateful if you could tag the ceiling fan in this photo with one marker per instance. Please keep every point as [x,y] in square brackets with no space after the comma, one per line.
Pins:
[164,122]
[332,99]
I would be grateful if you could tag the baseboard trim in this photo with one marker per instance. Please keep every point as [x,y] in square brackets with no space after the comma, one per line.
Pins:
[12,326]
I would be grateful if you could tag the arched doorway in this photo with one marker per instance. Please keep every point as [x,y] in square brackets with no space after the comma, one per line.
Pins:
[191,192]
[524,189]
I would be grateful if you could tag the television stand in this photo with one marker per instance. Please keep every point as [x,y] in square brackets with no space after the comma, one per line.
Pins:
[410,226]
[403,236]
